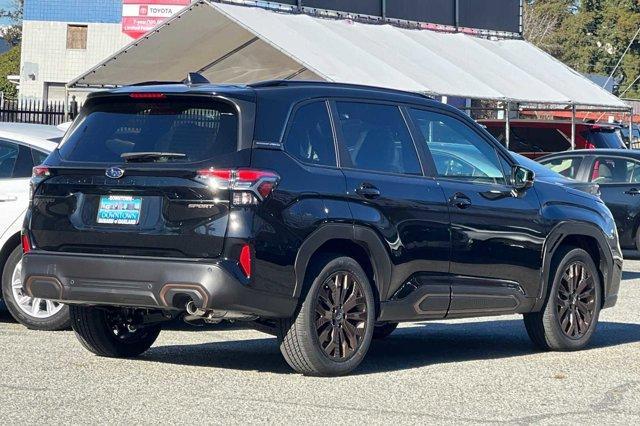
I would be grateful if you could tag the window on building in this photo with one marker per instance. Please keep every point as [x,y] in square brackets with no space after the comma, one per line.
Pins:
[77,36]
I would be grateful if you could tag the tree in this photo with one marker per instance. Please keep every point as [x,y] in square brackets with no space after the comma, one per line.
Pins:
[591,37]
[9,64]
[13,33]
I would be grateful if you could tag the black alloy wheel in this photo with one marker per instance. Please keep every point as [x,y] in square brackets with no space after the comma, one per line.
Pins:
[576,300]
[341,316]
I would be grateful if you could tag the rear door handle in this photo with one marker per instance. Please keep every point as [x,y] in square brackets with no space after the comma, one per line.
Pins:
[368,190]
[7,198]
[633,191]
[460,201]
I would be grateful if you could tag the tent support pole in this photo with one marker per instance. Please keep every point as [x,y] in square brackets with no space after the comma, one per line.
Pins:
[507,123]
[630,129]
[573,127]
[66,103]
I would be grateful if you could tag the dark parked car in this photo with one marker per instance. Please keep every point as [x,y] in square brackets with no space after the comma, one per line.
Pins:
[323,213]
[535,138]
[617,173]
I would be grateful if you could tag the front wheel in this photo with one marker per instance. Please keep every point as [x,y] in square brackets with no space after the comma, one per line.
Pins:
[34,313]
[570,314]
[110,333]
[332,330]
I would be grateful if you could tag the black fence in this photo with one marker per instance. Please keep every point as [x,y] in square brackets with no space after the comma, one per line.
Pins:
[33,111]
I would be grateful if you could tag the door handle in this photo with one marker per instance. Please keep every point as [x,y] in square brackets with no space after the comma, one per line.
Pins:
[367,190]
[460,201]
[7,198]
[633,191]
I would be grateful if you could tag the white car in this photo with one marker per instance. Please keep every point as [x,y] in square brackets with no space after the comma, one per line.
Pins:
[23,146]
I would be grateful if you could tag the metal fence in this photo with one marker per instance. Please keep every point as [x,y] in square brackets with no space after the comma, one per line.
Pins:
[32,111]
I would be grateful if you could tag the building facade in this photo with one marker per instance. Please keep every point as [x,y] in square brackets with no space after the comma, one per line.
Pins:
[62,39]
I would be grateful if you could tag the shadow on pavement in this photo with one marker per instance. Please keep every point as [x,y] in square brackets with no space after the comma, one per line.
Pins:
[630,275]
[409,347]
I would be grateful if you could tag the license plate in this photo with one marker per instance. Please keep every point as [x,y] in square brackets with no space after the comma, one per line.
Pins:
[119,210]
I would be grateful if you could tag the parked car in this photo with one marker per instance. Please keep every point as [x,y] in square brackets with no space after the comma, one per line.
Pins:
[21,147]
[617,173]
[535,138]
[317,211]
[630,138]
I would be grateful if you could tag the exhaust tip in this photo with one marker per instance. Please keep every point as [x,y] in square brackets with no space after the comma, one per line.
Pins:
[191,308]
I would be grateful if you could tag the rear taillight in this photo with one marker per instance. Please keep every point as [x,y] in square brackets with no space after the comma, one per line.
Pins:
[245,260]
[38,174]
[147,95]
[249,186]
[26,244]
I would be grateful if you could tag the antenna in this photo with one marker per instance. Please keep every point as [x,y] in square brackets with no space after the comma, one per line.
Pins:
[196,78]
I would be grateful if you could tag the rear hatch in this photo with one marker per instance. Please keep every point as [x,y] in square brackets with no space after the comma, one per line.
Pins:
[124,181]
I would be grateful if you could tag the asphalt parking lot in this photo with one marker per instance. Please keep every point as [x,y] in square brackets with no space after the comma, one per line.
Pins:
[438,372]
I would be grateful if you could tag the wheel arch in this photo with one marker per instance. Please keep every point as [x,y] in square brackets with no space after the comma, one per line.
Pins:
[5,251]
[580,235]
[361,243]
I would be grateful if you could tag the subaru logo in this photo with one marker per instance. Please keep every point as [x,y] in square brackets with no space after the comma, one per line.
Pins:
[114,172]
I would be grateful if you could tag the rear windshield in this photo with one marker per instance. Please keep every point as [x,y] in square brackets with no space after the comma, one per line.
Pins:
[604,138]
[198,129]
[532,139]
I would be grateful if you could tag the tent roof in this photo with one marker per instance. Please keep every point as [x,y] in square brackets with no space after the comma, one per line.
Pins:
[239,44]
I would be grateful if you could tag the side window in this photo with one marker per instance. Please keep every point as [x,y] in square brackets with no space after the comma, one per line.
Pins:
[8,158]
[458,152]
[24,164]
[566,166]
[615,170]
[377,138]
[310,138]
[38,157]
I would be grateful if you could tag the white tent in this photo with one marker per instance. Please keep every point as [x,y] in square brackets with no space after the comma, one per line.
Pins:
[231,43]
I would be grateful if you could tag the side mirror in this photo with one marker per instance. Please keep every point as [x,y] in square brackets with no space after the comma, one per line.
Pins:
[522,178]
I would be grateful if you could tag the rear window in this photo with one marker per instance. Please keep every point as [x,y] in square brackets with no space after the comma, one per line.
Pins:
[532,139]
[604,138]
[199,129]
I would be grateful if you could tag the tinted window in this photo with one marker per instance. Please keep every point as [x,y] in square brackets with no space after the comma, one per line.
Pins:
[310,138]
[615,170]
[377,138]
[566,166]
[24,164]
[8,157]
[457,150]
[531,139]
[603,138]
[38,157]
[106,129]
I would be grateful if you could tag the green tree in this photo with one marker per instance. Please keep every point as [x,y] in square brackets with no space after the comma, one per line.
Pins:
[9,64]
[592,37]
[13,33]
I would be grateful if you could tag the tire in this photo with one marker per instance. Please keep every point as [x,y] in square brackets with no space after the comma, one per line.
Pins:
[94,328]
[351,325]
[548,328]
[46,315]
[384,330]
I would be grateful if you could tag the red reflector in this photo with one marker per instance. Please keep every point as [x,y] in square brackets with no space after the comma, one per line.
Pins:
[26,244]
[149,95]
[40,171]
[245,260]
[265,188]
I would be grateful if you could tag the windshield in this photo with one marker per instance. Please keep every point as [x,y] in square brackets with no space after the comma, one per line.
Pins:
[196,129]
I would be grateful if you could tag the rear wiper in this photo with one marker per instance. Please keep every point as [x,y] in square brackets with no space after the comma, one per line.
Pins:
[141,157]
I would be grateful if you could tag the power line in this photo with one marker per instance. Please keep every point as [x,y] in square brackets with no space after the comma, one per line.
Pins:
[621,58]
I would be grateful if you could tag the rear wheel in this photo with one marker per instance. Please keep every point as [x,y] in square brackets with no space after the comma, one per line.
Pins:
[570,314]
[382,330]
[332,330]
[34,313]
[110,333]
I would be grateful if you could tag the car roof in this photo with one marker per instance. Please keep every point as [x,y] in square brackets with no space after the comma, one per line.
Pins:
[294,89]
[40,136]
[631,153]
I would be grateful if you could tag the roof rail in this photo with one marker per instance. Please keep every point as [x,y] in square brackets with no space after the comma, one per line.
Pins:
[285,83]
[196,78]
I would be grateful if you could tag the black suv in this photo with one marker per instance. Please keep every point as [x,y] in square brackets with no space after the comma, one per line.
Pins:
[323,213]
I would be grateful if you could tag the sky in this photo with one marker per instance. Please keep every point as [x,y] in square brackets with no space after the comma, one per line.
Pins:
[5,4]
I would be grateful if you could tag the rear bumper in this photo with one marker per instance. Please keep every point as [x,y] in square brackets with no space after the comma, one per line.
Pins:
[146,283]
